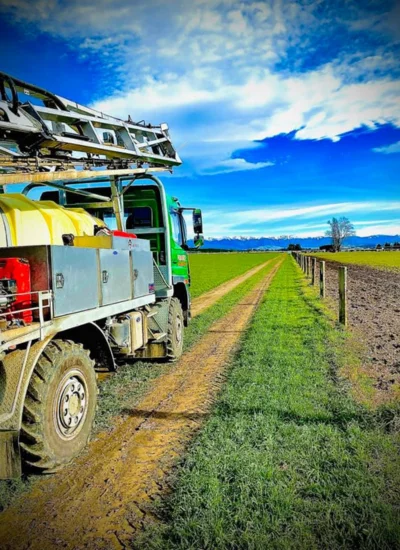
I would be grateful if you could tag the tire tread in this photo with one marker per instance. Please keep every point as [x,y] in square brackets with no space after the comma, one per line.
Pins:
[32,443]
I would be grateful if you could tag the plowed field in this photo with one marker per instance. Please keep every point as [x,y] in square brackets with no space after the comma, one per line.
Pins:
[374,317]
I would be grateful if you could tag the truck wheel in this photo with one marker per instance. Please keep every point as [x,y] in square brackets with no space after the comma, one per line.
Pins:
[59,407]
[175,330]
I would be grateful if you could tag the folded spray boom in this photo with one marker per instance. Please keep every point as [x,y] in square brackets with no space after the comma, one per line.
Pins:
[60,133]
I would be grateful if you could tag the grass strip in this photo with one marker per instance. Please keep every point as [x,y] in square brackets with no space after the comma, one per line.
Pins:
[129,384]
[211,270]
[287,460]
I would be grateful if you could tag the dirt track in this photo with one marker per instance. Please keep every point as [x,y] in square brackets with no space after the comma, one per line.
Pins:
[374,314]
[209,298]
[102,499]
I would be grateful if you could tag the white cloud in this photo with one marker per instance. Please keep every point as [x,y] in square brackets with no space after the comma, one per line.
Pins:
[236,165]
[154,96]
[78,19]
[390,229]
[388,149]
[237,23]
[257,216]
[261,10]
[375,222]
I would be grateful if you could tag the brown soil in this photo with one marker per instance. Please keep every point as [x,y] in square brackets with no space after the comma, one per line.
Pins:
[209,298]
[374,315]
[104,496]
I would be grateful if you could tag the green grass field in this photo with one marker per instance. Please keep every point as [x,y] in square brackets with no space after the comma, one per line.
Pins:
[211,270]
[381,260]
[287,459]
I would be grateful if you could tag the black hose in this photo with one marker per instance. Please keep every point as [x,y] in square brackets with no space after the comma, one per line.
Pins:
[14,95]
[41,92]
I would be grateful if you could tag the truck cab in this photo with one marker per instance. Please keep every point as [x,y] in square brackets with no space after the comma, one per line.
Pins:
[150,214]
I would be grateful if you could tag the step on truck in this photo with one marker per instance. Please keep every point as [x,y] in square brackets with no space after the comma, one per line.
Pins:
[94,268]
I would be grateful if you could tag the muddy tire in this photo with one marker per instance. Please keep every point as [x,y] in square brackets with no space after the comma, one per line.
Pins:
[59,407]
[175,330]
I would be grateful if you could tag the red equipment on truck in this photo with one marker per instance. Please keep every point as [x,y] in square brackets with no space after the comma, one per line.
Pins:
[15,288]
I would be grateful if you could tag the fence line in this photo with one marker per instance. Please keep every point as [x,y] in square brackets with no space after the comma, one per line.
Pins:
[343,295]
[308,265]
[313,268]
[322,277]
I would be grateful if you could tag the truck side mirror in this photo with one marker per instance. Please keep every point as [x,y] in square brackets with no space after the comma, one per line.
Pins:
[197,221]
[198,240]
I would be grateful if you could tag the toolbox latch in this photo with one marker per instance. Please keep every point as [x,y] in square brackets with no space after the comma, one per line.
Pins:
[59,280]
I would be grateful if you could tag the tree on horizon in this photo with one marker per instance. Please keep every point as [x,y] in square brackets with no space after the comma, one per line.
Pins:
[340,229]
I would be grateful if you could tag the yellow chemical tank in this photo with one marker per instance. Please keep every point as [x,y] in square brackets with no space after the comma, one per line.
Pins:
[26,222]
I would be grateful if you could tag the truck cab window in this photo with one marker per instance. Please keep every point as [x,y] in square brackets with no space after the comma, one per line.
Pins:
[176,227]
[184,229]
[142,216]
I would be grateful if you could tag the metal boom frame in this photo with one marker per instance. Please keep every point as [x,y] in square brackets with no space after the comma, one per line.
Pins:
[62,133]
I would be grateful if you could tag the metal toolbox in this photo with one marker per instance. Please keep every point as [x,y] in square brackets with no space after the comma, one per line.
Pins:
[74,279]
[142,266]
[115,276]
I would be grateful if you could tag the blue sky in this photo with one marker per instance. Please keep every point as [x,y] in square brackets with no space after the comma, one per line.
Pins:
[285,113]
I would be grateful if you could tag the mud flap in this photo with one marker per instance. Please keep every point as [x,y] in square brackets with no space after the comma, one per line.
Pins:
[10,458]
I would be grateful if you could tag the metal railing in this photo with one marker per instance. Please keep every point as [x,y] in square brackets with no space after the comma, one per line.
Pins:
[44,301]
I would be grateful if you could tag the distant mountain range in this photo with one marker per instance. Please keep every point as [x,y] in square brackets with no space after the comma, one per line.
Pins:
[276,243]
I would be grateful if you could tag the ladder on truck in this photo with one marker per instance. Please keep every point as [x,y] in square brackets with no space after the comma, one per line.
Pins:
[59,134]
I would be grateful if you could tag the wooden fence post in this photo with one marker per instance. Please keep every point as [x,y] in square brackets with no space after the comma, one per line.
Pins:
[343,295]
[313,264]
[322,279]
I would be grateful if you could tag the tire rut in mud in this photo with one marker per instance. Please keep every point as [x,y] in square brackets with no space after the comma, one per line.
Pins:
[209,298]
